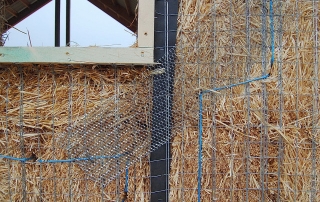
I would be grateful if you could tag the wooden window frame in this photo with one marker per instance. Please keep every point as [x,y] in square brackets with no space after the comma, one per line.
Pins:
[141,55]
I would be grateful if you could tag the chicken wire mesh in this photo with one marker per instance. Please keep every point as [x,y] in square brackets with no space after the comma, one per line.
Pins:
[117,132]
[95,117]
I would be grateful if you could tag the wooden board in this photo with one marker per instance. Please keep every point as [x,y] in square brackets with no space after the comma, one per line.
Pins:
[146,23]
[77,55]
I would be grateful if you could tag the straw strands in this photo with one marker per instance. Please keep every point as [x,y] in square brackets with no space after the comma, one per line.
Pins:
[260,141]
[40,102]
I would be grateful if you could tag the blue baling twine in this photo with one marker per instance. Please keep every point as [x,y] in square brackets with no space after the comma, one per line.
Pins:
[226,87]
[23,160]
[200,146]
[15,158]
[236,84]
[200,123]
[127,180]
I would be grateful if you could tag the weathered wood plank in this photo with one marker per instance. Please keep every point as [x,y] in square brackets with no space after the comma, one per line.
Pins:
[77,55]
[146,23]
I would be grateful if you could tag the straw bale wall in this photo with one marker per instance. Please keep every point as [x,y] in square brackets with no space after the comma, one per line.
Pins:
[260,141]
[54,96]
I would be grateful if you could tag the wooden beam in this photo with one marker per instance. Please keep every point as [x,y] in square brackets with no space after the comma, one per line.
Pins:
[118,13]
[25,3]
[10,10]
[146,23]
[26,12]
[126,2]
[76,55]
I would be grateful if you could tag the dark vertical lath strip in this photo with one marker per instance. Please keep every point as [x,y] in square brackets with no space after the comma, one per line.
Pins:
[165,39]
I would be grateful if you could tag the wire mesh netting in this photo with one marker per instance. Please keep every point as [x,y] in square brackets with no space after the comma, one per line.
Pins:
[260,139]
[117,132]
[71,132]
[245,114]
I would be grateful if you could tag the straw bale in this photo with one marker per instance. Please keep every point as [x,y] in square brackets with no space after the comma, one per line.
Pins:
[235,151]
[52,97]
